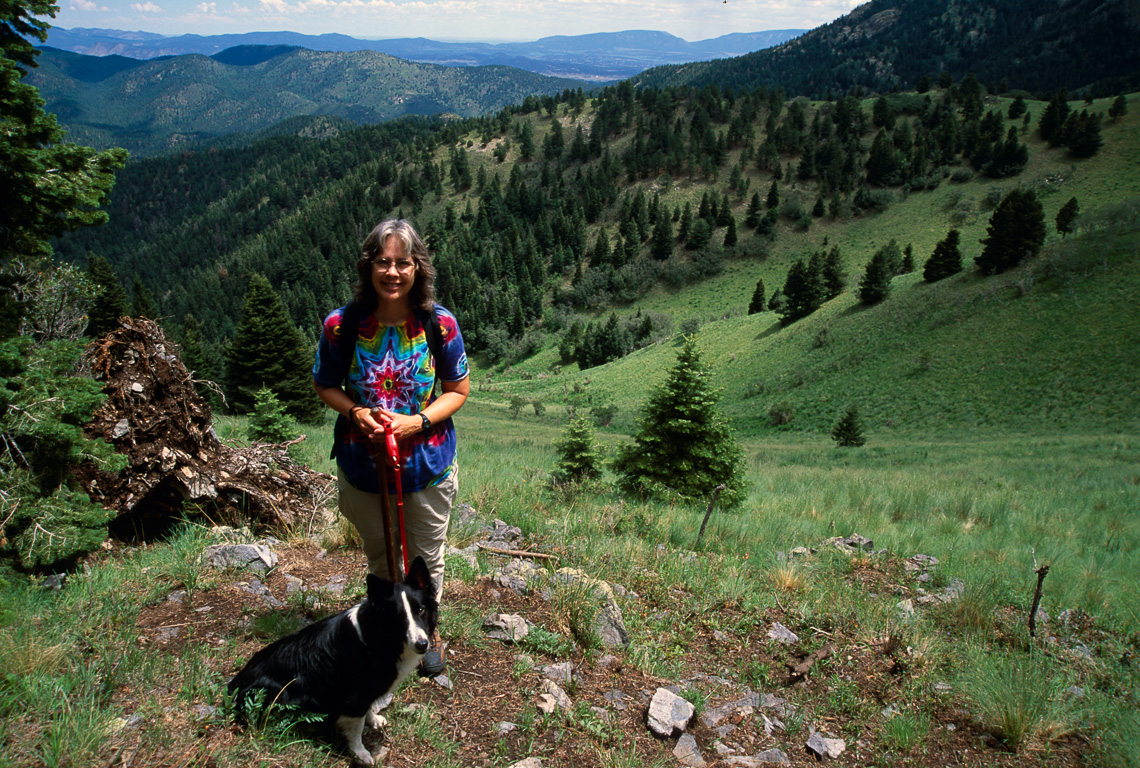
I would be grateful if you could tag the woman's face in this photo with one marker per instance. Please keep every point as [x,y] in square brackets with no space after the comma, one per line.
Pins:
[393,272]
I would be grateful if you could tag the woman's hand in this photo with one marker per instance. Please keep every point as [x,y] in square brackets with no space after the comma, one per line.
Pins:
[369,422]
[403,426]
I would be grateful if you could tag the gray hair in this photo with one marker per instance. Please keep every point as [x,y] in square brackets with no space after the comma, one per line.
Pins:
[423,289]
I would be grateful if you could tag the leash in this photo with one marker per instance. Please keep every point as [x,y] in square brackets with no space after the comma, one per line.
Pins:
[394,462]
[382,459]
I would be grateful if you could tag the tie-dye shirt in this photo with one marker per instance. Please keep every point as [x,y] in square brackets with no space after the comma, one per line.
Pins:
[394,369]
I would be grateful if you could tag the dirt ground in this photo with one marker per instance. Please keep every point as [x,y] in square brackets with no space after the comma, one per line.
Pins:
[487,689]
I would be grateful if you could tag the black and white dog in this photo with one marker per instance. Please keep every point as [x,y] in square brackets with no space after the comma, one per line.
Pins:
[345,665]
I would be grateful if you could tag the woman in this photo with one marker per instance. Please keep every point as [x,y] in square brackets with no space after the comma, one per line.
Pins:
[390,375]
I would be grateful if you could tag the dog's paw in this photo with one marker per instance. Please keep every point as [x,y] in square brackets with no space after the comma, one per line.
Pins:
[375,721]
[363,756]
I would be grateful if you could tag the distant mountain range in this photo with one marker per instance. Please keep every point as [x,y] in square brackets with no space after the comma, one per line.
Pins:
[1088,47]
[157,105]
[596,57]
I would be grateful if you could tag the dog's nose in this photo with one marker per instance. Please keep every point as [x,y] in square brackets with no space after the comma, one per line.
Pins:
[422,646]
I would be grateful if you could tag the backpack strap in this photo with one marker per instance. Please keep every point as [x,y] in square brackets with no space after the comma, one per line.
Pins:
[346,346]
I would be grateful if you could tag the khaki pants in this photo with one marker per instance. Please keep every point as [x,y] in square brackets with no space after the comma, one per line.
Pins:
[426,514]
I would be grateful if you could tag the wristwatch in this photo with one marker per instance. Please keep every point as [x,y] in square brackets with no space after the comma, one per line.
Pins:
[426,421]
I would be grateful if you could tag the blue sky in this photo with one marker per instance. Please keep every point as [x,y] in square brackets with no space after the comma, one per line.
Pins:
[489,20]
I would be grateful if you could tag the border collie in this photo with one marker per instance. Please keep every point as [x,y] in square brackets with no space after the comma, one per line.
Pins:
[344,666]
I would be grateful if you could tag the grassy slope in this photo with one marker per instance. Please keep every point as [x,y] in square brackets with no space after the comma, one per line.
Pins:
[960,355]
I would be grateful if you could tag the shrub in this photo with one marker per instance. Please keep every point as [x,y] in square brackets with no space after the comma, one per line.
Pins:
[848,431]
[47,523]
[579,457]
[269,423]
[781,414]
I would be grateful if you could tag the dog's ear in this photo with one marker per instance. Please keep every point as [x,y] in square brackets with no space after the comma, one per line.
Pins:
[419,577]
[378,588]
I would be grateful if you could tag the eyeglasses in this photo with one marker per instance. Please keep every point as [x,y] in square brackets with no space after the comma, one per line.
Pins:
[403,266]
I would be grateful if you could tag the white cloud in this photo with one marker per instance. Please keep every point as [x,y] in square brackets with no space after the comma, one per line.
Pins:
[84,5]
[147,7]
[206,8]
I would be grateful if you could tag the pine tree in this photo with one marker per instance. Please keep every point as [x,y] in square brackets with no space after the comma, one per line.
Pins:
[1082,136]
[757,303]
[730,237]
[773,200]
[144,305]
[1067,215]
[907,265]
[1119,108]
[752,218]
[683,443]
[802,293]
[1016,232]
[268,351]
[110,299]
[834,280]
[946,259]
[1053,119]
[579,456]
[268,422]
[50,186]
[848,431]
[876,283]
[662,245]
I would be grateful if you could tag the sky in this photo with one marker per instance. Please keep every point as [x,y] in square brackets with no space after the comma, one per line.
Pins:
[486,20]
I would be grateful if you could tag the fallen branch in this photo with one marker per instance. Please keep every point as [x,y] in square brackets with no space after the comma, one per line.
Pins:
[1042,572]
[801,669]
[515,552]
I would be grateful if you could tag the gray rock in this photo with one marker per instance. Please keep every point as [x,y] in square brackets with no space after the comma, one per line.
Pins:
[669,714]
[293,585]
[610,663]
[121,428]
[906,607]
[920,563]
[602,714]
[507,627]
[688,752]
[778,705]
[257,557]
[714,716]
[821,746]
[616,699]
[782,634]
[530,762]
[336,584]
[255,587]
[506,727]
[767,757]
[559,673]
[771,757]
[205,712]
[443,681]
[551,688]
[1075,692]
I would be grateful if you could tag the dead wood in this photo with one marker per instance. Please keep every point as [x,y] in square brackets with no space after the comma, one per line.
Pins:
[801,669]
[154,417]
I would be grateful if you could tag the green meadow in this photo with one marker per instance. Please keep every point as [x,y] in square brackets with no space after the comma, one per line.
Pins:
[1002,418]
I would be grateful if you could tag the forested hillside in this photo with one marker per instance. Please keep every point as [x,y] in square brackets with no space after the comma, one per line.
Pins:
[1086,46]
[161,105]
[602,56]
[549,215]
